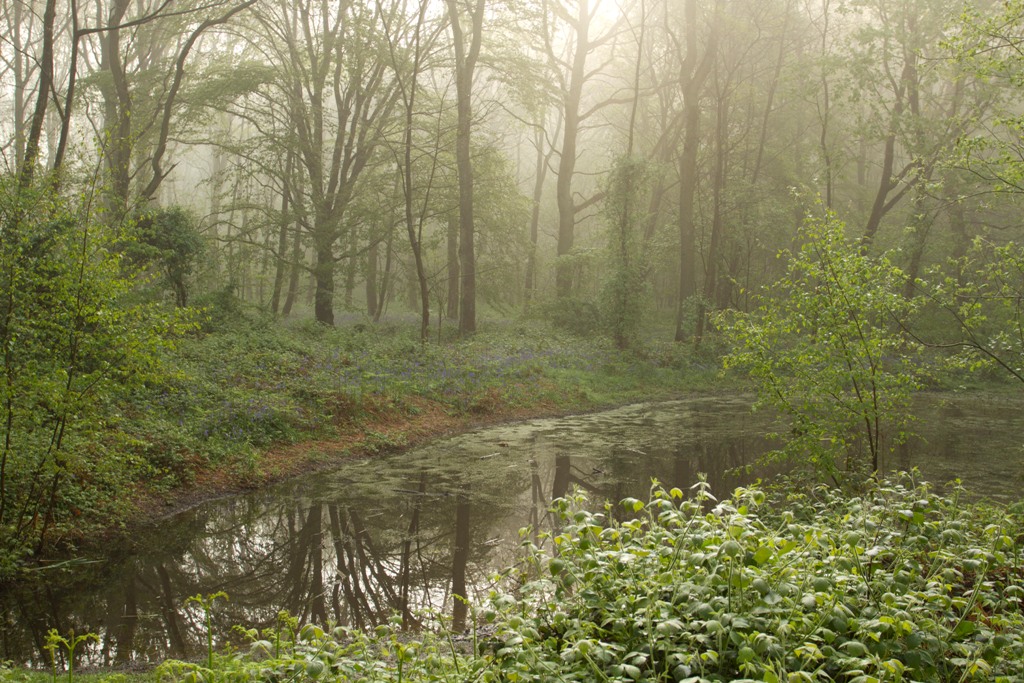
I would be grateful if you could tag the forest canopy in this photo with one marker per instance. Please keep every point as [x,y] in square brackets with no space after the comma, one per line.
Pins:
[390,155]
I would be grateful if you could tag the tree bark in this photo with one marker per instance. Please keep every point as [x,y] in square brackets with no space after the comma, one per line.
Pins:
[573,95]
[454,271]
[35,132]
[540,174]
[371,281]
[385,281]
[694,75]
[323,274]
[465,65]
[281,265]
[717,220]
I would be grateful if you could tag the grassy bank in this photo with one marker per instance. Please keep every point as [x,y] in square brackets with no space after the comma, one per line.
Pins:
[251,400]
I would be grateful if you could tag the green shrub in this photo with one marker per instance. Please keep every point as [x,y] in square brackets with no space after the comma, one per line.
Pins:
[827,349]
[72,339]
[576,316]
[898,584]
[167,240]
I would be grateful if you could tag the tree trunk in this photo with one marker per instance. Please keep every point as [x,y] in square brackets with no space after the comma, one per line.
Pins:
[540,173]
[117,111]
[825,112]
[921,225]
[323,274]
[35,132]
[282,238]
[883,203]
[717,221]
[385,281]
[567,157]
[298,255]
[694,77]
[465,65]
[350,281]
[454,274]
[371,281]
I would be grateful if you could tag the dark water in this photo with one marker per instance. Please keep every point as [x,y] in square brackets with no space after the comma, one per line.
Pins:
[400,534]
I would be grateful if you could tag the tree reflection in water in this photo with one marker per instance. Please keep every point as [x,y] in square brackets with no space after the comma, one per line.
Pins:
[404,534]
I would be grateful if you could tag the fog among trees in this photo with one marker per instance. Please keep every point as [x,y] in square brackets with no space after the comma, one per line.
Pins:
[591,160]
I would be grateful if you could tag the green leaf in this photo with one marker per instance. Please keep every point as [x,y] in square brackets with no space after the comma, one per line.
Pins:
[964,629]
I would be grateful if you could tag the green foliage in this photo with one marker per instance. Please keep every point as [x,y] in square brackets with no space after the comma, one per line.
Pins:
[293,653]
[897,584]
[223,311]
[168,239]
[70,344]
[576,316]
[977,303]
[826,347]
[206,603]
[56,643]
[988,48]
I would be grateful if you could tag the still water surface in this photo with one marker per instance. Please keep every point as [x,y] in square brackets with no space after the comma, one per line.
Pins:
[399,534]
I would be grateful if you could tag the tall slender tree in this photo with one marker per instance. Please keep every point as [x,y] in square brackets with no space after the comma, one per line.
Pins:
[467,52]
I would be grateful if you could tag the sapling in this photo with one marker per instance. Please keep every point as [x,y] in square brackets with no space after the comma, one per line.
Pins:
[55,641]
[205,602]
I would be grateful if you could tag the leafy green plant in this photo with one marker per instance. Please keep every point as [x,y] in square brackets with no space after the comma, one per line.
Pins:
[988,47]
[206,602]
[71,340]
[55,643]
[897,584]
[577,316]
[290,653]
[167,239]
[975,302]
[826,346]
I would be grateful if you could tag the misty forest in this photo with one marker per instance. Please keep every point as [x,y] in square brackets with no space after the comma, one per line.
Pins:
[247,240]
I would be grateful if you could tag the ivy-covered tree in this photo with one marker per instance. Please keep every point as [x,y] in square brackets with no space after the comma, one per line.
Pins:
[622,297]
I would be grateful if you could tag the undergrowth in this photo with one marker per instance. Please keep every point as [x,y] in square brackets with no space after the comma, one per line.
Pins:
[900,584]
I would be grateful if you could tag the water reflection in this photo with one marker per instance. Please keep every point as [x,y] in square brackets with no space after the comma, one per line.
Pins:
[400,535]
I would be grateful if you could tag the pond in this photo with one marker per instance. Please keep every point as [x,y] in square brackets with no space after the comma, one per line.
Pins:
[400,534]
